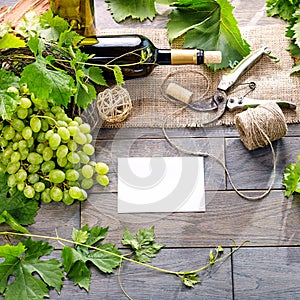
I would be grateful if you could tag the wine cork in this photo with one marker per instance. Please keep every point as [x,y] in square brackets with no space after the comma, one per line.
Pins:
[212,57]
[179,93]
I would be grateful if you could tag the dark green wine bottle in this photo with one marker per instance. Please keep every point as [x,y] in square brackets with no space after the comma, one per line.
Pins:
[137,56]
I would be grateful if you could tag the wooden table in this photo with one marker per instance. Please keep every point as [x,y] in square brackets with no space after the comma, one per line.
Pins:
[267,267]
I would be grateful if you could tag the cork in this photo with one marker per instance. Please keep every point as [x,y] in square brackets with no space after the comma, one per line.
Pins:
[179,93]
[212,57]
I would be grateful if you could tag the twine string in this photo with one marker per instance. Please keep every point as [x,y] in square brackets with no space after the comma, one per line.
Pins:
[257,127]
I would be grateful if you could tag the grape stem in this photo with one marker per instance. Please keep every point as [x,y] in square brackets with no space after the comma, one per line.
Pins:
[46,117]
[216,258]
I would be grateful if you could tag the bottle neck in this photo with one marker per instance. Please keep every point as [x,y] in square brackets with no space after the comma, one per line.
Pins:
[179,56]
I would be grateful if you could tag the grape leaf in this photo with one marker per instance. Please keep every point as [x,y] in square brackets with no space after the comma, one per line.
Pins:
[11,41]
[282,8]
[23,210]
[291,179]
[190,280]
[136,9]
[8,101]
[24,264]
[75,259]
[48,84]
[143,244]
[209,25]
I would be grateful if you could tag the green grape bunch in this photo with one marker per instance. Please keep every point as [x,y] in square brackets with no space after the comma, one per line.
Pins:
[47,154]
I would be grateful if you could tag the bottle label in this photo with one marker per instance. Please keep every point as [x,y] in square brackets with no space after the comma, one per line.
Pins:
[183,56]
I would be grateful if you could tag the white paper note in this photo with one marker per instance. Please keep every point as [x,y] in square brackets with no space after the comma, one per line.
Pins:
[161,184]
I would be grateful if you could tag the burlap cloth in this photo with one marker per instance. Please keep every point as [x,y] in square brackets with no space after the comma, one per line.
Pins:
[273,81]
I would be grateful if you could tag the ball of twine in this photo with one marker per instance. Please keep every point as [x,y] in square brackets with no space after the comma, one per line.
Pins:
[114,105]
[260,126]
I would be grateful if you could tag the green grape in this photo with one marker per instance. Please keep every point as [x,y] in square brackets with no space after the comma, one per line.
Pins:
[54,141]
[18,137]
[24,153]
[92,163]
[73,183]
[33,178]
[72,145]
[57,176]
[84,158]
[61,116]
[64,133]
[22,113]
[62,151]
[41,137]
[12,180]
[62,123]
[3,142]
[35,124]
[88,149]
[83,195]
[6,154]
[37,196]
[30,142]
[67,199]
[22,144]
[87,171]
[101,168]
[85,128]
[47,153]
[25,102]
[21,175]
[40,104]
[33,168]
[69,165]
[89,138]
[56,194]
[44,125]
[62,162]
[72,175]
[102,180]
[35,158]
[78,120]
[27,133]
[80,138]
[73,157]
[87,183]
[56,109]
[16,156]
[73,123]
[21,186]
[13,167]
[45,196]
[12,90]
[8,132]
[47,166]
[73,130]
[29,191]
[17,124]
[15,146]
[75,192]
[48,134]
[39,186]
[40,148]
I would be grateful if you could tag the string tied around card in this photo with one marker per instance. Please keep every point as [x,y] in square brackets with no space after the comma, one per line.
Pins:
[257,127]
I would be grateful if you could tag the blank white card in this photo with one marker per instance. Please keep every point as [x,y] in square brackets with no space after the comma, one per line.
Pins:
[161,184]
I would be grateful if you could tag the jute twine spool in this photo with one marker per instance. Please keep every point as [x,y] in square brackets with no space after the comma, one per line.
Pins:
[258,126]
[114,105]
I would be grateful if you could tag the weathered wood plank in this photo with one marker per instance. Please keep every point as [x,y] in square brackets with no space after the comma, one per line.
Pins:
[267,273]
[253,169]
[271,221]
[142,283]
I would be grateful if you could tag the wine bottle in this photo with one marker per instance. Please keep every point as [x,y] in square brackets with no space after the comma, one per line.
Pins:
[79,14]
[137,56]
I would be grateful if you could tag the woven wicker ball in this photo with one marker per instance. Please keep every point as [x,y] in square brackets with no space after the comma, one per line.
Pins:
[114,105]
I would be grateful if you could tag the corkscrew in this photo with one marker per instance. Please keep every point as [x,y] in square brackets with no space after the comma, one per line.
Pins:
[220,101]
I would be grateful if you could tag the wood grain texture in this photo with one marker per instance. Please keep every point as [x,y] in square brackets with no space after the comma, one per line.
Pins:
[267,273]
